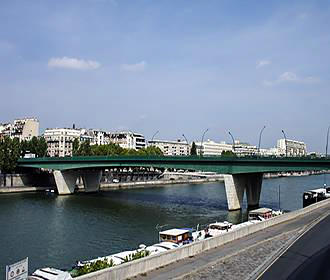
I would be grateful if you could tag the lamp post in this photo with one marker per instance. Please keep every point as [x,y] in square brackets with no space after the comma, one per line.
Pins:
[260,139]
[152,138]
[286,148]
[185,138]
[326,146]
[201,153]
[326,155]
[232,137]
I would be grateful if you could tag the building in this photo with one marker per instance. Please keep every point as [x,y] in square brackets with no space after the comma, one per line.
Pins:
[95,137]
[23,129]
[211,148]
[244,149]
[171,148]
[291,148]
[60,141]
[128,140]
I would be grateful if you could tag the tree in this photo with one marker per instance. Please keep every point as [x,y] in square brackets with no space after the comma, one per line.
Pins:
[75,147]
[193,150]
[228,154]
[41,149]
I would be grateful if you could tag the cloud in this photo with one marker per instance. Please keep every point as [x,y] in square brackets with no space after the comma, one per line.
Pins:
[290,77]
[73,63]
[262,63]
[138,67]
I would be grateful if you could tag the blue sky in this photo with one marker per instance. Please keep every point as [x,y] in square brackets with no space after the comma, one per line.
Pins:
[173,66]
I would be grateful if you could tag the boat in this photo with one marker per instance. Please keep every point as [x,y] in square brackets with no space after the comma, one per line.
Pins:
[218,228]
[313,196]
[260,214]
[49,273]
[176,235]
[161,247]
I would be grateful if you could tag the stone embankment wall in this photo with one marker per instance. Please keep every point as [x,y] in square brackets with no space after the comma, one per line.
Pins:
[131,269]
[25,182]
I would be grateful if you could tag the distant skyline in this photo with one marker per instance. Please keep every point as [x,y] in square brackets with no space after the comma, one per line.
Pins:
[173,66]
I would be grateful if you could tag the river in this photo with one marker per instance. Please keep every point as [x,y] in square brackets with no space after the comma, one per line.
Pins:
[58,230]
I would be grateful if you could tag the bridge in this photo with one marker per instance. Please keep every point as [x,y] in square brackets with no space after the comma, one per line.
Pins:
[240,173]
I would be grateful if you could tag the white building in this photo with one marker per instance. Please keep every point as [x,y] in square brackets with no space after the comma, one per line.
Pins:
[95,137]
[171,148]
[60,141]
[291,148]
[128,140]
[211,148]
[23,129]
[244,149]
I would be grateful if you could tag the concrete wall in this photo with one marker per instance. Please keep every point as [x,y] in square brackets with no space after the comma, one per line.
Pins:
[131,269]
[12,182]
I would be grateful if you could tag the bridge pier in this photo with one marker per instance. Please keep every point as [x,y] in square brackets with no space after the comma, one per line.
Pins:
[235,186]
[65,181]
[91,180]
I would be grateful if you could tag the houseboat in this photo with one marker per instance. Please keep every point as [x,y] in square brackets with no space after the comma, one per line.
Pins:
[176,235]
[316,195]
[260,214]
[217,228]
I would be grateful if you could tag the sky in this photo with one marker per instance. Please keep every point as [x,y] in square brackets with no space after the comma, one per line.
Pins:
[177,67]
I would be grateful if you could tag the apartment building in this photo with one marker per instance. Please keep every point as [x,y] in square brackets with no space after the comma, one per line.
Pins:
[171,148]
[128,140]
[291,148]
[211,148]
[23,129]
[60,141]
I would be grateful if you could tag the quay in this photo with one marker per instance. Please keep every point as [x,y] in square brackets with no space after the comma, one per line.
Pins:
[241,254]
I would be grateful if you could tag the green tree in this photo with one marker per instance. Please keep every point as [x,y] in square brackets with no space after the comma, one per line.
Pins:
[41,149]
[85,149]
[227,154]
[193,150]
[75,147]
[10,151]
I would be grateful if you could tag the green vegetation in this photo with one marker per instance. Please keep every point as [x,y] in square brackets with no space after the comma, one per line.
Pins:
[228,154]
[101,264]
[11,150]
[85,149]
[91,267]
[137,255]
[193,150]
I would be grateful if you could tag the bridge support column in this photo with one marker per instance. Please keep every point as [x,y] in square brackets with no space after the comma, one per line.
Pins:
[65,181]
[91,179]
[235,186]
[253,189]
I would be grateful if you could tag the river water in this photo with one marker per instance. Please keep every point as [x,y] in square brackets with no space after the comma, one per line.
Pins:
[58,230]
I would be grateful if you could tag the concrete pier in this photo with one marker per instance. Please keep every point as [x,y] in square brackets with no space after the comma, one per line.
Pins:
[235,186]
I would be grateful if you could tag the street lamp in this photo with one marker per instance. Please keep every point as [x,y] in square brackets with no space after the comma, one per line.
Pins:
[185,138]
[260,138]
[152,138]
[201,154]
[232,137]
[326,146]
[286,148]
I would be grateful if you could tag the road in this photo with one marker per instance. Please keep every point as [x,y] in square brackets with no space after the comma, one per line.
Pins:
[307,258]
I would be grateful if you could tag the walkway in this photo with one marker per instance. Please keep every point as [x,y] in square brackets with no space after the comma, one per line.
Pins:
[240,258]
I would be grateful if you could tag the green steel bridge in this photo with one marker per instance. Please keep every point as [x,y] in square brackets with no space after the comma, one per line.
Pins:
[241,173]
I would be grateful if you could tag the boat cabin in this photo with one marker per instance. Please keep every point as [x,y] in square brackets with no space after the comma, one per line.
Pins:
[224,226]
[175,235]
[313,196]
[260,214]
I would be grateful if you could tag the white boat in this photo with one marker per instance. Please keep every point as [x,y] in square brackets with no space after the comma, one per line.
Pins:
[161,247]
[218,228]
[116,259]
[49,273]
